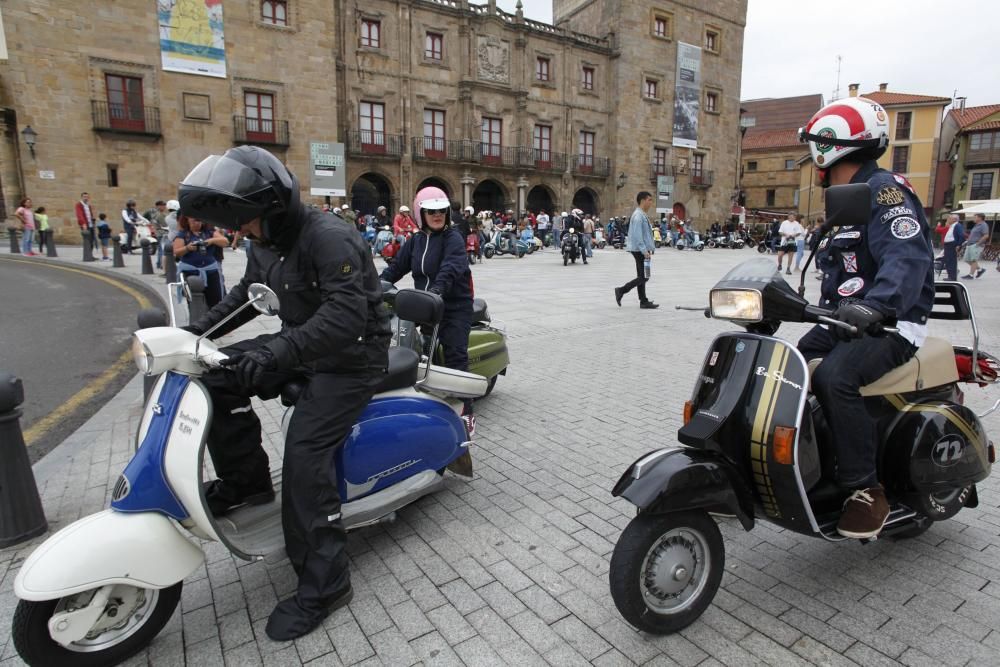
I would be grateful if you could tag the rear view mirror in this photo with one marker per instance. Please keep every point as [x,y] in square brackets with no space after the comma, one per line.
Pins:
[263,299]
[848,205]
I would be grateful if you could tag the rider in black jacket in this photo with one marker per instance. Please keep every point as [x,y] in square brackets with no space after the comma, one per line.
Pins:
[335,333]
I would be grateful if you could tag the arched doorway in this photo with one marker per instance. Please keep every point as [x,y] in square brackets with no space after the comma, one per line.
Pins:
[369,192]
[680,210]
[489,196]
[434,182]
[540,199]
[585,199]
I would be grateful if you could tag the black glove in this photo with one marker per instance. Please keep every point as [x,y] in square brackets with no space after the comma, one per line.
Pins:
[435,290]
[250,366]
[859,315]
[190,328]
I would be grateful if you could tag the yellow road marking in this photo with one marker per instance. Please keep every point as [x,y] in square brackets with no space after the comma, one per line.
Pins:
[95,387]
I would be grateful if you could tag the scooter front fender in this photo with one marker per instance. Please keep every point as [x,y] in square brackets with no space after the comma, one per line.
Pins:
[681,478]
[144,549]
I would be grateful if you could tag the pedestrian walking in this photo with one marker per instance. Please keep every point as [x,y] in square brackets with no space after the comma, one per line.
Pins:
[954,237]
[640,243]
[42,228]
[26,217]
[787,232]
[979,235]
[588,236]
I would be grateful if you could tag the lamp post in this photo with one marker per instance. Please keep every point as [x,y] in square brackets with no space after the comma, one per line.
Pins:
[30,137]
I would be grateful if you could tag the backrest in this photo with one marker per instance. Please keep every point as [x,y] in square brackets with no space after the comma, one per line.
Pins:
[951,302]
[418,306]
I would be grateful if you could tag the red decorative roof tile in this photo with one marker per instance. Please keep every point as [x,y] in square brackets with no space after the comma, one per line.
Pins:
[769,139]
[888,99]
[970,115]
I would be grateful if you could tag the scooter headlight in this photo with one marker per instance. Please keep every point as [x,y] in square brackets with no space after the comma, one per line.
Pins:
[739,305]
[141,355]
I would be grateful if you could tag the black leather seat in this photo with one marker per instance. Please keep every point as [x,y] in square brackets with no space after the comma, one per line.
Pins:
[479,311]
[402,373]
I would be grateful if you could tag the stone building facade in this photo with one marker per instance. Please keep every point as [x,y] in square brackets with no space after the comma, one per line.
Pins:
[499,110]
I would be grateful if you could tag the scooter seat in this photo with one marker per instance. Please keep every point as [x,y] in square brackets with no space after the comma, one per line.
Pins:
[479,312]
[932,366]
[400,374]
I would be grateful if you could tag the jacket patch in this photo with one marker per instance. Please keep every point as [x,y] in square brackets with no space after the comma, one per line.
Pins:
[905,228]
[824,242]
[852,286]
[890,195]
[850,262]
[345,268]
[847,235]
[895,212]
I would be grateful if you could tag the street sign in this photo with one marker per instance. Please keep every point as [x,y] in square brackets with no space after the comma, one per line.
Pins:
[47,175]
[664,194]
[327,176]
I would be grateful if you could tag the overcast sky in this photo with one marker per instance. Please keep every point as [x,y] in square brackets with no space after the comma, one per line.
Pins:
[926,47]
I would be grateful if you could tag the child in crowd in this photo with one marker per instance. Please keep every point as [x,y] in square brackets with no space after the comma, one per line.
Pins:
[104,235]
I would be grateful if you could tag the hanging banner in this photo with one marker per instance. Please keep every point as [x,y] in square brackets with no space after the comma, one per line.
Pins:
[326,168]
[687,95]
[191,37]
[664,194]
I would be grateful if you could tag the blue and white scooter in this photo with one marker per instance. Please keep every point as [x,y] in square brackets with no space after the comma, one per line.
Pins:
[101,589]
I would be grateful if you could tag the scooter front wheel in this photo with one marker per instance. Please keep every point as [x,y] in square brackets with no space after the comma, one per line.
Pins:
[129,622]
[666,569]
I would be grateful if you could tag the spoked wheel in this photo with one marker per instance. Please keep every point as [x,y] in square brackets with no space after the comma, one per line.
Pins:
[666,569]
[131,619]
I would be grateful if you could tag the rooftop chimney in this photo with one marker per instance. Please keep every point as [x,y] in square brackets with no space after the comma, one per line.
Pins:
[882,87]
[853,89]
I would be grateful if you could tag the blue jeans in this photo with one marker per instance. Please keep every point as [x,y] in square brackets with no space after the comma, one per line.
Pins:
[800,248]
[28,235]
[588,245]
[556,235]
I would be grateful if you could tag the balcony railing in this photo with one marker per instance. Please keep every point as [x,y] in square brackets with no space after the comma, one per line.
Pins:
[435,148]
[982,156]
[369,143]
[260,131]
[701,178]
[125,118]
[657,170]
[589,165]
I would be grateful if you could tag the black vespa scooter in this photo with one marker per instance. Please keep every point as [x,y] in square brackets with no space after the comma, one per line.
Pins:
[755,442]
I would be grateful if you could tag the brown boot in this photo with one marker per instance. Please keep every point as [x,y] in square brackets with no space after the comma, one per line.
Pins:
[864,513]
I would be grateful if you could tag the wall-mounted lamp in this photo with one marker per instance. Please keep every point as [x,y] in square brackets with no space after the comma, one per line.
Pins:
[965,180]
[621,180]
[30,137]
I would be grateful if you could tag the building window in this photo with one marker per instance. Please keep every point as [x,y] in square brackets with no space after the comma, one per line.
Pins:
[982,185]
[125,107]
[587,79]
[660,161]
[698,174]
[371,33]
[903,120]
[712,40]
[795,198]
[260,117]
[542,144]
[492,138]
[434,145]
[274,12]
[789,165]
[650,89]
[983,140]
[434,46]
[586,150]
[542,69]
[661,27]
[372,115]
[712,102]
[752,165]
[112,175]
[900,159]
[770,198]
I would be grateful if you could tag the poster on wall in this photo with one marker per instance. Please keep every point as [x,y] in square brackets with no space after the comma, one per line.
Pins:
[191,37]
[327,176]
[687,95]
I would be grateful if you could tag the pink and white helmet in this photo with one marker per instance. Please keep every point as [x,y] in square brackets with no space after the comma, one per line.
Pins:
[430,199]
[843,127]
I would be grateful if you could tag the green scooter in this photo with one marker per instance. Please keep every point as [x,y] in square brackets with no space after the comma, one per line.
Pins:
[487,341]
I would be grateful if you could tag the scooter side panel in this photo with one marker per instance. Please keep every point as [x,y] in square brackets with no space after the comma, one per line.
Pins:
[487,351]
[395,438]
[109,547]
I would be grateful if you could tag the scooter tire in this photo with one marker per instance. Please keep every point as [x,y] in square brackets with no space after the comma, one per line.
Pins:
[762,248]
[699,248]
[488,253]
[940,506]
[30,632]
[751,243]
[670,538]
[565,260]
[489,387]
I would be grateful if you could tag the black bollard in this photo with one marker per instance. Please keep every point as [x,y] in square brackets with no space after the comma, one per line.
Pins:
[197,307]
[169,265]
[119,259]
[147,261]
[88,246]
[15,247]
[50,245]
[21,515]
[150,317]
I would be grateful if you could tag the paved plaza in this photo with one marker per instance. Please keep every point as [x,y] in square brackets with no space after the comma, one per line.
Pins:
[512,567]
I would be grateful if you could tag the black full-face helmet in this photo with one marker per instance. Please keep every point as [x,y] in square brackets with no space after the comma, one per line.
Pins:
[233,189]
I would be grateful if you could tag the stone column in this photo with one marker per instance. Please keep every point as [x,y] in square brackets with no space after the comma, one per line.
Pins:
[467,182]
[522,194]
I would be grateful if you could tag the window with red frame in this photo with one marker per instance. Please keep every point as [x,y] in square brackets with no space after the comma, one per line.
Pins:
[543,145]
[434,145]
[274,12]
[372,116]
[125,106]
[434,46]
[587,80]
[491,138]
[371,33]
[542,69]
[651,88]
[660,160]
[260,117]
[586,150]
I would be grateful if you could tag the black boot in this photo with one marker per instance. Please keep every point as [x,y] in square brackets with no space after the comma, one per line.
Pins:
[223,498]
[290,620]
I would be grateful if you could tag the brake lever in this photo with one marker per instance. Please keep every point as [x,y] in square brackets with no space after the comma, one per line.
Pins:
[705,310]
[848,327]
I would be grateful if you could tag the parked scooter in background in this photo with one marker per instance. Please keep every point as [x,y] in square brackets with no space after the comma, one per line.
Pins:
[501,245]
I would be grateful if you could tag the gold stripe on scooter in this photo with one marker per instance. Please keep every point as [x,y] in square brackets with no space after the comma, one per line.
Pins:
[762,427]
[902,405]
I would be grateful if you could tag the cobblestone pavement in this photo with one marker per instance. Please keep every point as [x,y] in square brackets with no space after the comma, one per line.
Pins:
[511,568]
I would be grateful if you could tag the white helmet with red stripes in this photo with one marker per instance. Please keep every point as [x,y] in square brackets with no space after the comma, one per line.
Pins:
[844,127]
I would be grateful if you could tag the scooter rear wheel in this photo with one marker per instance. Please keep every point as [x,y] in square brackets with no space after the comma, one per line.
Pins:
[666,569]
[115,638]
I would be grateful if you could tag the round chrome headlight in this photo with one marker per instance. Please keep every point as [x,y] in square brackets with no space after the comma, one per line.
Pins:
[141,355]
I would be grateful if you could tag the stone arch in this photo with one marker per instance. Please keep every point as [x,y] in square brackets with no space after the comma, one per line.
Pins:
[586,200]
[490,195]
[369,191]
[540,198]
[436,182]
[680,210]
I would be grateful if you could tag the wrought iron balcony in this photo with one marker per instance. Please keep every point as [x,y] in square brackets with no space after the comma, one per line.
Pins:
[259,131]
[657,170]
[435,148]
[588,165]
[701,178]
[374,144]
[125,118]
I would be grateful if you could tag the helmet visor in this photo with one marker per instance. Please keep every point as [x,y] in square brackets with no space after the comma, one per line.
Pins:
[224,192]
